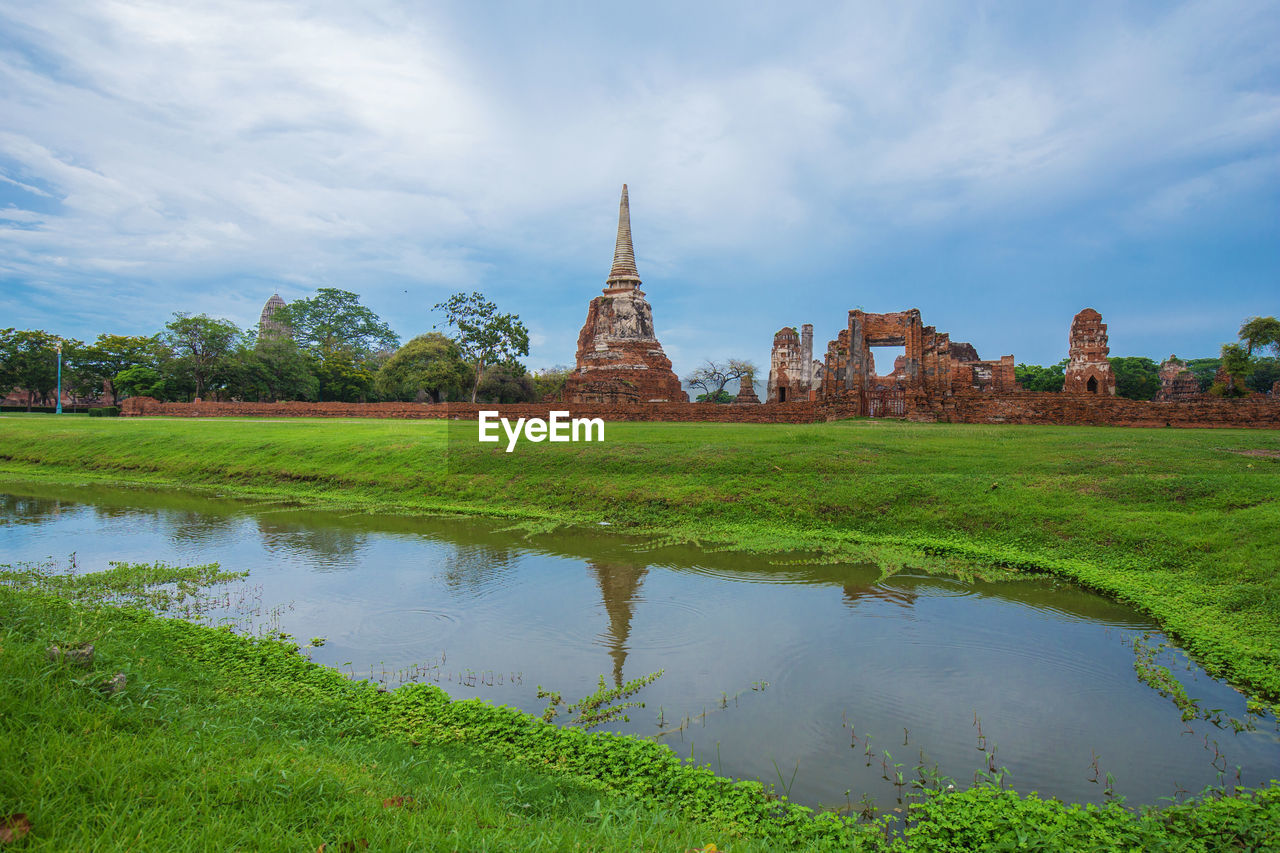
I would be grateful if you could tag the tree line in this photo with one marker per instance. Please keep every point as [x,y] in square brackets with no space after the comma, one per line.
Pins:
[329,347]
[1245,367]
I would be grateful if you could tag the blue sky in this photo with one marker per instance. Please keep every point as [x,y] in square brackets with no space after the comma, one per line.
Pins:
[998,166]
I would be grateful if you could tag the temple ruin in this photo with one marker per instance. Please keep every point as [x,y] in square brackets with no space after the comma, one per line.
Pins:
[1088,371]
[791,365]
[931,368]
[619,359]
[1177,382]
[268,326]
[747,389]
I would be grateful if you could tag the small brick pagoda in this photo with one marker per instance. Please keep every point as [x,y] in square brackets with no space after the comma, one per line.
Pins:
[1088,371]
[1177,382]
[619,359]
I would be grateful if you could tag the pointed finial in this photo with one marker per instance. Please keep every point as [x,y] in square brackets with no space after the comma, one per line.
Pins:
[624,255]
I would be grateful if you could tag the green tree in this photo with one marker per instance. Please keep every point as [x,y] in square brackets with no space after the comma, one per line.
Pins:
[429,366]
[1237,367]
[1261,333]
[271,368]
[1204,369]
[720,396]
[485,336]
[333,321]
[343,381]
[507,383]
[548,383]
[29,360]
[100,362]
[141,381]
[1266,372]
[1033,377]
[202,344]
[1137,378]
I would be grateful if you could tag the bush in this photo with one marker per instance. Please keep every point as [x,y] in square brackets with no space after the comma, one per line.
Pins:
[105,412]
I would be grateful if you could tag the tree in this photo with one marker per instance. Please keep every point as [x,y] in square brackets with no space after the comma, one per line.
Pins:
[1236,369]
[141,381]
[202,343]
[1204,369]
[343,381]
[271,368]
[1266,372]
[507,383]
[334,321]
[29,360]
[1261,333]
[713,376]
[1137,378]
[549,382]
[1033,377]
[429,366]
[99,362]
[485,337]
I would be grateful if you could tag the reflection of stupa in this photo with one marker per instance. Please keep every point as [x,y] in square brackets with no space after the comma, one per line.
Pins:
[618,586]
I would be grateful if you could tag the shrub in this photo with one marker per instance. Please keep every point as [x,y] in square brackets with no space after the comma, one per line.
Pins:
[105,412]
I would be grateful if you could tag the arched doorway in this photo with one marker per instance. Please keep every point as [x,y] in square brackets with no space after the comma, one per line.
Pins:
[1092,385]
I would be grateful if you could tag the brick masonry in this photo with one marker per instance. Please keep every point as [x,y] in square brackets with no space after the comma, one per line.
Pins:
[971,407]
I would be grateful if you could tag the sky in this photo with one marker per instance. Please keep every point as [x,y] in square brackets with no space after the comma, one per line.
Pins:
[999,166]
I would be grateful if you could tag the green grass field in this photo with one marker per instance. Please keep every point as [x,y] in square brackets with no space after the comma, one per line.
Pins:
[1183,524]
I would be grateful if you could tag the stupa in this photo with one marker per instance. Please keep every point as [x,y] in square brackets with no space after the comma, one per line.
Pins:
[619,359]
[268,326]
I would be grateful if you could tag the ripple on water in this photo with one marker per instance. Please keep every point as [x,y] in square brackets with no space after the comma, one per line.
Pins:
[397,628]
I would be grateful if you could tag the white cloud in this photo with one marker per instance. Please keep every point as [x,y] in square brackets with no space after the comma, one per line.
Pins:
[384,143]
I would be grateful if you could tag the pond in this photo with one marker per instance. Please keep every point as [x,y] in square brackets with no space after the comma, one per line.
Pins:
[774,668]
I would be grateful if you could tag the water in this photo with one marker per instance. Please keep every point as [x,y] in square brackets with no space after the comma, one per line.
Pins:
[772,667]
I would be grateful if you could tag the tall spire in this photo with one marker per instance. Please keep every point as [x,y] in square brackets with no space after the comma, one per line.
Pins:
[624,255]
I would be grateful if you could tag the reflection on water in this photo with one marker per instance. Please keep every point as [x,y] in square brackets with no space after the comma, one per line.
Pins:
[767,665]
[619,585]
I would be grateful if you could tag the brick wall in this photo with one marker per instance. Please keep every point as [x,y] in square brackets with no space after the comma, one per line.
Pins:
[1013,408]
[1033,408]
[787,413]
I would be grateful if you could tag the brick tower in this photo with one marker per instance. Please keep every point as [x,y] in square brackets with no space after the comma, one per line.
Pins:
[1088,371]
[619,359]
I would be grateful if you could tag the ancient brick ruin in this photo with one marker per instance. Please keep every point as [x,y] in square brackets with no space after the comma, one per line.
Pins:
[268,326]
[747,390]
[1176,382]
[1088,371]
[791,373]
[931,368]
[619,359]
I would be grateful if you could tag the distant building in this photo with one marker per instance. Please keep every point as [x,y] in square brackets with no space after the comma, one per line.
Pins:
[268,326]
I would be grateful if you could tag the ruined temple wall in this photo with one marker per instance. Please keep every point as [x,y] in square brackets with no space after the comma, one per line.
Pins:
[790,413]
[968,407]
[988,376]
[1093,409]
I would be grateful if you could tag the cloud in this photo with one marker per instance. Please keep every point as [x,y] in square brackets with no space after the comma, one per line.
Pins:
[216,150]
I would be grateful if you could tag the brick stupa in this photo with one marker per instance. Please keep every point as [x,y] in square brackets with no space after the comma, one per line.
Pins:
[1088,371]
[619,359]
[1177,383]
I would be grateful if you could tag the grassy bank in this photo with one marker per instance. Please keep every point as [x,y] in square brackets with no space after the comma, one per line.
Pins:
[175,736]
[1184,524]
